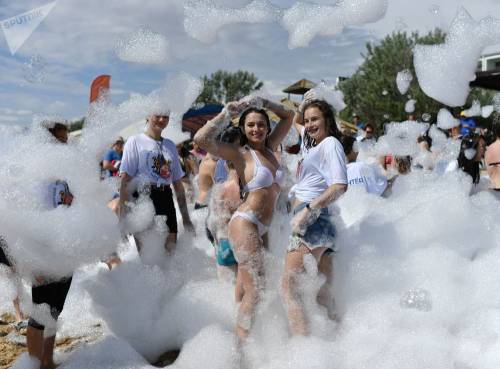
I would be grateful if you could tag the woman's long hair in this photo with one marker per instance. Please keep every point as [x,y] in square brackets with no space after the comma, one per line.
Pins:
[329,117]
[241,124]
[470,166]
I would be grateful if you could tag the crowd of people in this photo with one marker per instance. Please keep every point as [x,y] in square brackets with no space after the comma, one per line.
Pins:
[234,170]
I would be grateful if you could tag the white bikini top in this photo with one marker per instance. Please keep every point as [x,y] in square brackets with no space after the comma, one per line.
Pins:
[262,176]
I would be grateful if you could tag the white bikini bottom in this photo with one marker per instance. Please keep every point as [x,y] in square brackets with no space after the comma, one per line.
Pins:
[247,215]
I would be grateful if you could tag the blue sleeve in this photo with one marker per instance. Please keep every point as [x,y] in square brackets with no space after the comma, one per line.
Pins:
[108,156]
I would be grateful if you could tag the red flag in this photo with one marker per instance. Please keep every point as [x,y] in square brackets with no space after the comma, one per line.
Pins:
[99,86]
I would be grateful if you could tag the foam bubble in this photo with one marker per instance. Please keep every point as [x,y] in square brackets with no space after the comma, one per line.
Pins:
[417,298]
[444,71]
[426,117]
[403,81]
[474,110]
[487,110]
[204,18]
[35,69]
[410,106]
[400,138]
[327,93]
[445,120]
[143,46]
[305,21]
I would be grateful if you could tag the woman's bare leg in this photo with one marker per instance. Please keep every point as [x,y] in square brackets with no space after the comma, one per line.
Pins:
[294,268]
[17,310]
[48,352]
[248,248]
[34,341]
[325,298]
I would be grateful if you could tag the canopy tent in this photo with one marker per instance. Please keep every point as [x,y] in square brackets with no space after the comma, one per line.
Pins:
[299,87]
[489,79]
[194,118]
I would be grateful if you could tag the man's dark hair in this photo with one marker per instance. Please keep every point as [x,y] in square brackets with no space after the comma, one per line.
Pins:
[347,143]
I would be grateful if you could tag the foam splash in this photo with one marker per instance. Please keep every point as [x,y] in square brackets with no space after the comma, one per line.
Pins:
[305,21]
[35,69]
[333,97]
[445,120]
[444,71]
[400,138]
[204,18]
[474,110]
[403,81]
[143,46]
[410,106]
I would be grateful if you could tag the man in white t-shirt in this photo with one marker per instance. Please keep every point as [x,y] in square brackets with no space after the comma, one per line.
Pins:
[151,163]
[360,173]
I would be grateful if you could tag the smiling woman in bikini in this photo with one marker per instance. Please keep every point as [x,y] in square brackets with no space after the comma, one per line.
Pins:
[261,176]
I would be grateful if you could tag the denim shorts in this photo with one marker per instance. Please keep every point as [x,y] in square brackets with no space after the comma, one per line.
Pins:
[321,233]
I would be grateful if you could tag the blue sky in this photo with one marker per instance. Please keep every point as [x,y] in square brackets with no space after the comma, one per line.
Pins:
[77,41]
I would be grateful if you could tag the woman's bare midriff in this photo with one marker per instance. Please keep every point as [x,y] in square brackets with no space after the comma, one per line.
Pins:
[261,202]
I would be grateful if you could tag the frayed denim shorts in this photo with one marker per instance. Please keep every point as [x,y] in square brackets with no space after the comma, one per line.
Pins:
[321,233]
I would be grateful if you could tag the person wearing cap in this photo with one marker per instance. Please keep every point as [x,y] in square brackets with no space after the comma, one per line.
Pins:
[112,159]
[150,164]
[468,125]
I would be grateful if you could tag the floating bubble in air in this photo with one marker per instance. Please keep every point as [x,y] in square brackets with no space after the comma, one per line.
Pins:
[35,69]
[418,299]
[143,46]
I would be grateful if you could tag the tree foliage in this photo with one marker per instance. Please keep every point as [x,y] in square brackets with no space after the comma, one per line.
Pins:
[372,91]
[223,86]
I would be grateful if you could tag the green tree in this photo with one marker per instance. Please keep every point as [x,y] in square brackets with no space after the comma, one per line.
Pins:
[76,124]
[372,93]
[223,86]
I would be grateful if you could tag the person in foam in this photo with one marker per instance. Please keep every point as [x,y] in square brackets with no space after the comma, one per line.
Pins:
[361,174]
[321,179]
[224,201]
[471,153]
[151,165]
[5,261]
[112,158]
[261,176]
[492,157]
[41,340]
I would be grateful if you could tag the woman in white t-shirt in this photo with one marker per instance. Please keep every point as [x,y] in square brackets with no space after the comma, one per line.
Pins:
[322,178]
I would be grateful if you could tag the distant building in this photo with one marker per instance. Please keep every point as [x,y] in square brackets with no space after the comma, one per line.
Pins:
[489,62]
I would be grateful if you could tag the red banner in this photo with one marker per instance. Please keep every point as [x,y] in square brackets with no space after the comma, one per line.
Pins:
[99,86]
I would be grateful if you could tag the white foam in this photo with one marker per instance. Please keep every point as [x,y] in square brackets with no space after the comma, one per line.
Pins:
[333,97]
[444,71]
[305,21]
[143,46]
[400,138]
[474,110]
[445,120]
[35,69]
[204,18]
[410,106]
[487,110]
[403,81]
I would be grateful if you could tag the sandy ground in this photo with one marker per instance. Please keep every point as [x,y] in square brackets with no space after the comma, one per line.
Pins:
[9,351]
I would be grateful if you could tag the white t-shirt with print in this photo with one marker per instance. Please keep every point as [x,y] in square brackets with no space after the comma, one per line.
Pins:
[156,162]
[322,166]
[366,176]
